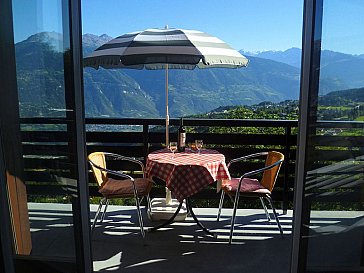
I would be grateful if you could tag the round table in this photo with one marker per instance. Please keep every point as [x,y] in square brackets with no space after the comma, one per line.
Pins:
[186,173]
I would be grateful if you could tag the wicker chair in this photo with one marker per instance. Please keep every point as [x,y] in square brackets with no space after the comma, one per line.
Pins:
[248,187]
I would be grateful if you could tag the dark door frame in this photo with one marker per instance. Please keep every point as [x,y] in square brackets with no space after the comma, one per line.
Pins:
[8,84]
[310,74]
[75,77]
[72,10]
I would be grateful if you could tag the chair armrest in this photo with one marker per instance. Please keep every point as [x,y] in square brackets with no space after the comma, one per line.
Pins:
[116,173]
[246,157]
[252,173]
[125,158]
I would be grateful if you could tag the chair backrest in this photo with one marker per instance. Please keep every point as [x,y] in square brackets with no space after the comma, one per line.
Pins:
[98,158]
[270,176]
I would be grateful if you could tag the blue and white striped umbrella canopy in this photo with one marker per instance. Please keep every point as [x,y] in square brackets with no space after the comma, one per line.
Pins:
[154,48]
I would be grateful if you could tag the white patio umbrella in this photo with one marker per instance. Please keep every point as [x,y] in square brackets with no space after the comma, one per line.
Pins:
[165,49]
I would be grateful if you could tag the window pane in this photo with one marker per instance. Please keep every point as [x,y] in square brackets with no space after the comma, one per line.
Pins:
[334,180]
[42,47]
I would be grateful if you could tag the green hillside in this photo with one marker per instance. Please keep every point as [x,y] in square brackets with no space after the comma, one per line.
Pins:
[40,78]
[112,93]
[200,90]
[343,97]
[40,72]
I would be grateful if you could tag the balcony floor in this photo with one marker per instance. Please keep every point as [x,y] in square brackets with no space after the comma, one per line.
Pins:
[117,245]
[183,247]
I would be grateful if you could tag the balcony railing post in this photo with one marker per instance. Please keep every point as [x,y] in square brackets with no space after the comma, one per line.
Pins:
[287,151]
[145,141]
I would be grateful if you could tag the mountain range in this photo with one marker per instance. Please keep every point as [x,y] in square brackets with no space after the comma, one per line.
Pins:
[338,71]
[291,56]
[270,76]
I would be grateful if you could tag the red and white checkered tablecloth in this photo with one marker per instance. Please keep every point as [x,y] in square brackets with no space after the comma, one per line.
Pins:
[188,172]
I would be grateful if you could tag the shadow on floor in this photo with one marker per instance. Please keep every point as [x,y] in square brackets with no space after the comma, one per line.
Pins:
[182,247]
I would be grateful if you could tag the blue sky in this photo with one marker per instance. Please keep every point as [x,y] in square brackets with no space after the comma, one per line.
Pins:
[343,26]
[251,25]
[33,16]
[244,24]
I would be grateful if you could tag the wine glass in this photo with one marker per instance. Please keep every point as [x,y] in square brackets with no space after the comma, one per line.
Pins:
[172,147]
[199,144]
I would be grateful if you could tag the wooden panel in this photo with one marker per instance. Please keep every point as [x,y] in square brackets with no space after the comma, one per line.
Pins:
[335,155]
[338,141]
[125,150]
[19,214]
[114,137]
[47,190]
[37,149]
[45,136]
[229,139]
[46,163]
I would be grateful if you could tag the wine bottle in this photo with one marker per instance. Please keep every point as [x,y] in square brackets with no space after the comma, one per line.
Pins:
[181,140]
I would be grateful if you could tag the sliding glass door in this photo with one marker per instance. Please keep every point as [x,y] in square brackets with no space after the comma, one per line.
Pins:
[42,136]
[329,216]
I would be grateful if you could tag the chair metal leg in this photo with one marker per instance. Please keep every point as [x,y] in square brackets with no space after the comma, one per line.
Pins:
[149,203]
[107,201]
[236,202]
[220,205]
[140,218]
[275,214]
[141,224]
[265,208]
[97,214]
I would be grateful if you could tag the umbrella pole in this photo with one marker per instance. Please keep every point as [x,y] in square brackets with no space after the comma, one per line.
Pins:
[168,192]
[167,114]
